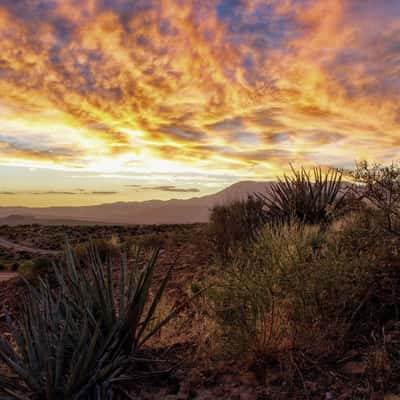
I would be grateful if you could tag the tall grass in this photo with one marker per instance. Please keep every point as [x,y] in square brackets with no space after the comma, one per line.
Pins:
[235,225]
[293,292]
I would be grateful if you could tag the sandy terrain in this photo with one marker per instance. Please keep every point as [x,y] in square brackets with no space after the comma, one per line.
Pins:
[18,247]
[5,276]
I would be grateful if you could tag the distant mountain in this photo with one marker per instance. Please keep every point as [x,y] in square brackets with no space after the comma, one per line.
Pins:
[14,220]
[175,211]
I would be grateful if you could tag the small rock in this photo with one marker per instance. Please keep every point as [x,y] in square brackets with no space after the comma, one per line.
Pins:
[346,396]
[184,392]
[311,386]
[196,378]
[363,390]
[219,392]
[205,395]
[351,355]
[354,368]
[247,396]
[248,379]
[391,396]
[273,378]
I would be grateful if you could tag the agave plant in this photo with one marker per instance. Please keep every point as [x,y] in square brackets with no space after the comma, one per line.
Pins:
[81,340]
[308,196]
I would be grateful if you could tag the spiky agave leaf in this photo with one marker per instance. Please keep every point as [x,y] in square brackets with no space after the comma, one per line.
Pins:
[77,341]
[308,196]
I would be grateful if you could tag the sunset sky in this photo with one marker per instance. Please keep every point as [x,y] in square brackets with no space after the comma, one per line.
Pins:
[123,100]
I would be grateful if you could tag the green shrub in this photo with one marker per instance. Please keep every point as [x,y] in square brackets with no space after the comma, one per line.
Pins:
[43,265]
[195,287]
[294,292]
[27,269]
[311,197]
[107,250]
[235,225]
[82,340]
[33,268]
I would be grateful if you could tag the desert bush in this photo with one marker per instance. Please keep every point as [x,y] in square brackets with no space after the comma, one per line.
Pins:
[106,249]
[43,264]
[235,225]
[33,268]
[26,268]
[380,186]
[311,197]
[295,292]
[82,340]
[365,236]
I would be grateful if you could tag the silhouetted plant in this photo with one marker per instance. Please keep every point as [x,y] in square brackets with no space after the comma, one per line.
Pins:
[81,340]
[307,196]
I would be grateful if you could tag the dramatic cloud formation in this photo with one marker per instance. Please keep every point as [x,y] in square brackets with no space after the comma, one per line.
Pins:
[166,188]
[238,87]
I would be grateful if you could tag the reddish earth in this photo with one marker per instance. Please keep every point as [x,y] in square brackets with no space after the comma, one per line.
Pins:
[19,247]
[5,276]
[199,371]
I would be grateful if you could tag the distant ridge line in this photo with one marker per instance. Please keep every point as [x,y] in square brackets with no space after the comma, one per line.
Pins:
[149,212]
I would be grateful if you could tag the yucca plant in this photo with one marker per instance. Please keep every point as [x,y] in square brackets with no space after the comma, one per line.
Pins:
[81,339]
[307,196]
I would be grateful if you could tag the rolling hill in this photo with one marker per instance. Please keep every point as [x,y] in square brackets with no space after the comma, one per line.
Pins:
[174,211]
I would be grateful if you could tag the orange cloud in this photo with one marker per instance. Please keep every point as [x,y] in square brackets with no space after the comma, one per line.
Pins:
[228,85]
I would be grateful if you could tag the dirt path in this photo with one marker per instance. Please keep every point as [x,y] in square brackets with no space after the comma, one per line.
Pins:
[5,276]
[18,247]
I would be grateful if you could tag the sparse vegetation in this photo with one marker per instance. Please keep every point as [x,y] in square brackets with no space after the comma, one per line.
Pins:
[315,283]
[303,301]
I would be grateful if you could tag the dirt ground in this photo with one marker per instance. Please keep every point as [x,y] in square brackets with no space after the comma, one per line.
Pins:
[195,367]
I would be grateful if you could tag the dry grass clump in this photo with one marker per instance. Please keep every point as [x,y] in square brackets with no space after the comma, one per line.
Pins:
[235,225]
[293,288]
